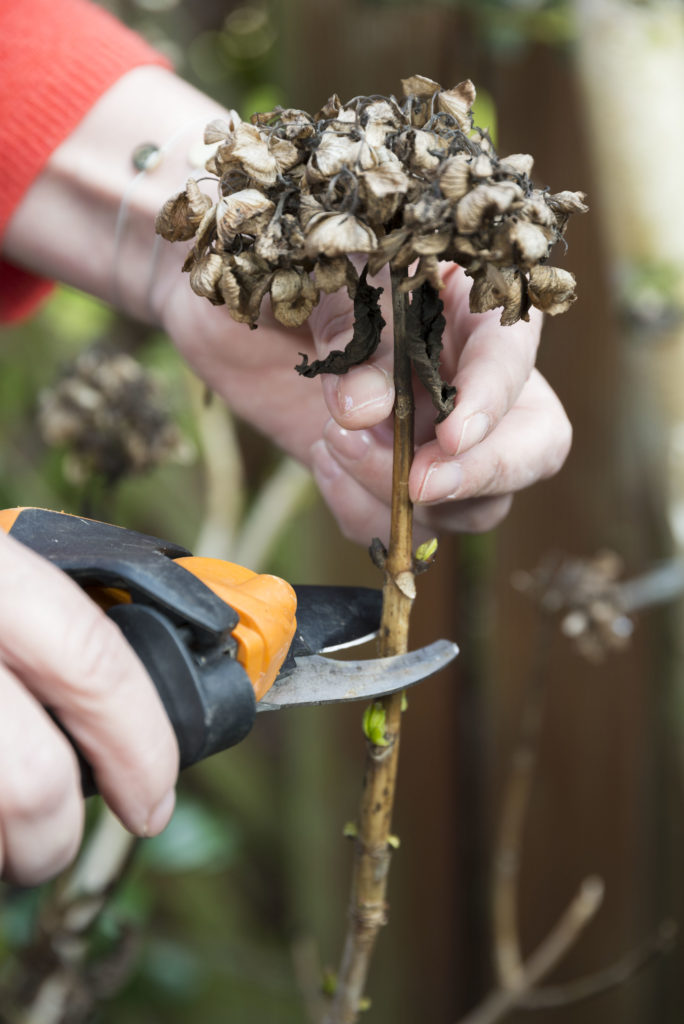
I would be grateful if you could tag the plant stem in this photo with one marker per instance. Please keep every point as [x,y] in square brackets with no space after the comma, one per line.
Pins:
[367,905]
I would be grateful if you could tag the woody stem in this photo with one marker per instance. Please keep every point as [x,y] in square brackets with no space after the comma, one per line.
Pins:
[367,904]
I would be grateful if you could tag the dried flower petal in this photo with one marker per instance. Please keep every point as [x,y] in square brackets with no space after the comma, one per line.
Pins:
[383,188]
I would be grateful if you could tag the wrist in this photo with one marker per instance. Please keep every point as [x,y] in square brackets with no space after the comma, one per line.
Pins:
[88,220]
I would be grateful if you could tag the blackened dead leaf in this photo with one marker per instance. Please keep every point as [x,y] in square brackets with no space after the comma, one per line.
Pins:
[425,326]
[368,325]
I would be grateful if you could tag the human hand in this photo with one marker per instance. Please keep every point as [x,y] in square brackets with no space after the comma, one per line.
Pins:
[58,650]
[508,428]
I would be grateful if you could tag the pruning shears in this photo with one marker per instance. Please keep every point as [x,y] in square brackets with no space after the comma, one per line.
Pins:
[219,641]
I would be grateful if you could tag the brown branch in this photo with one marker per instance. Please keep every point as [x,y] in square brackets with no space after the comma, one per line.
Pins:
[516,800]
[547,955]
[368,907]
[591,985]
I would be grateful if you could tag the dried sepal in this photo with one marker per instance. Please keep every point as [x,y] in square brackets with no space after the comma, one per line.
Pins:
[482,202]
[336,234]
[458,102]
[493,287]
[407,181]
[221,129]
[247,211]
[552,289]
[332,274]
[517,163]
[293,297]
[205,274]
[180,216]
[248,151]
[244,282]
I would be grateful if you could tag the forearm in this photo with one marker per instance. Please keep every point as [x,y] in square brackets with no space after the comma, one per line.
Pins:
[88,219]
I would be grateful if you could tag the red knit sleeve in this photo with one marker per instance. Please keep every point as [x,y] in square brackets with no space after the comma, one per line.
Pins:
[57,58]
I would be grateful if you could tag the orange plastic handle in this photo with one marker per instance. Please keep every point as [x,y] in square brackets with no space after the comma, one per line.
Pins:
[266,606]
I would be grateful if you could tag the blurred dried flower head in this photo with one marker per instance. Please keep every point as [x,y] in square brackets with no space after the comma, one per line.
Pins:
[587,596]
[406,183]
[108,412]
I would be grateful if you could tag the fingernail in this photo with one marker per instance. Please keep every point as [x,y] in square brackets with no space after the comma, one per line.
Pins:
[363,387]
[475,429]
[322,463]
[442,481]
[349,444]
[161,815]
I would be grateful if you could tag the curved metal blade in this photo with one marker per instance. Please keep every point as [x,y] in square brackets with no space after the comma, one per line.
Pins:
[319,680]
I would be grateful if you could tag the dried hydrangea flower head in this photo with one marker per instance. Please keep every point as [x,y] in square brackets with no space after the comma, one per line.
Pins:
[107,411]
[405,183]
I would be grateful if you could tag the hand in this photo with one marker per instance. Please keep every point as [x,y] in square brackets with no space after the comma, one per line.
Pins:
[57,649]
[507,431]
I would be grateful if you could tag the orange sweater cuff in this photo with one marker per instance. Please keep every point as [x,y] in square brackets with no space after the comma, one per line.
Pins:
[57,59]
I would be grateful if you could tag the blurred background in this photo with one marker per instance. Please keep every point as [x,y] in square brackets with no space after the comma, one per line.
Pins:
[230,915]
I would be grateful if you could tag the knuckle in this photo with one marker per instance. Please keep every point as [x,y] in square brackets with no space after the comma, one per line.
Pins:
[95,654]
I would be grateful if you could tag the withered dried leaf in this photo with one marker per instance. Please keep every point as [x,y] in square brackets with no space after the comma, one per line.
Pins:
[368,325]
[552,289]
[179,217]
[425,326]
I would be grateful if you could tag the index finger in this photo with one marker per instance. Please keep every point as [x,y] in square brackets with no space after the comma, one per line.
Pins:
[77,663]
[489,364]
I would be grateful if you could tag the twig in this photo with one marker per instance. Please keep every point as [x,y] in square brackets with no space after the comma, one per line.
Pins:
[368,908]
[64,924]
[274,507]
[516,800]
[223,474]
[633,962]
[549,952]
